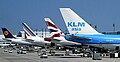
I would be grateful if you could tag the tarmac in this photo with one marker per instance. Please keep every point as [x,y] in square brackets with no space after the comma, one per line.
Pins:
[33,57]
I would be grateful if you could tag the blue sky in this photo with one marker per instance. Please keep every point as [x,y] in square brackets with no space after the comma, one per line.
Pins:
[102,13]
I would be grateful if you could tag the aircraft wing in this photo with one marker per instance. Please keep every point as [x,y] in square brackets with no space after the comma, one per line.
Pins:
[56,40]
[6,39]
[29,40]
[78,37]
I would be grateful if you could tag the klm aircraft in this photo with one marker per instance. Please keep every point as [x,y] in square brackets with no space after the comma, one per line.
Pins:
[81,32]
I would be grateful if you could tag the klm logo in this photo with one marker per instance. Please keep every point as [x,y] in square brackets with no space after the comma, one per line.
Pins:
[76,26]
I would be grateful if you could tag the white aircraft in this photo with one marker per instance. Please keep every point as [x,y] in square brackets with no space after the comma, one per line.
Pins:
[4,43]
[10,38]
[33,38]
[57,34]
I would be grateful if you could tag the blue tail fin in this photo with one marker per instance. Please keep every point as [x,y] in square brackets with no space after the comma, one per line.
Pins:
[7,34]
[28,30]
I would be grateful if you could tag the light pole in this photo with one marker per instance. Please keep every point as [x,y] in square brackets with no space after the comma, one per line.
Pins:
[114,27]
[42,32]
[45,32]
[96,27]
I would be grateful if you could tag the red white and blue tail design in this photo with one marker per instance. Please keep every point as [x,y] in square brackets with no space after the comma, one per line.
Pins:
[28,30]
[54,30]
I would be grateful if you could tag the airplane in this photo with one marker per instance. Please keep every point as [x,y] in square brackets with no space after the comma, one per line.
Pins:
[57,34]
[33,38]
[10,38]
[3,44]
[81,32]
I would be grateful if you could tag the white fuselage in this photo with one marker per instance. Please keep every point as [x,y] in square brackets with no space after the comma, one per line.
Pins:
[17,40]
[38,40]
[3,43]
[63,41]
[106,46]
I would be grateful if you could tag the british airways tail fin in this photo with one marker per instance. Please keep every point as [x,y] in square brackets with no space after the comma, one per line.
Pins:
[76,24]
[28,30]
[7,34]
[54,30]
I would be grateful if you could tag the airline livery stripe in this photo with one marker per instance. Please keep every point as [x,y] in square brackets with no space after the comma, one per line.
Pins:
[50,24]
[51,30]
[26,32]
[28,29]
[56,35]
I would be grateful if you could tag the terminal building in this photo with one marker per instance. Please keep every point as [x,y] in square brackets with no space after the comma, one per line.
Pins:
[41,34]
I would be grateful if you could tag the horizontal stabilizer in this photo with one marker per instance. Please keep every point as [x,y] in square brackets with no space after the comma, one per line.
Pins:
[77,37]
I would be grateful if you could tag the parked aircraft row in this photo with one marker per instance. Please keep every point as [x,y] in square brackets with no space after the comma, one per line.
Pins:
[80,33]
[32,39]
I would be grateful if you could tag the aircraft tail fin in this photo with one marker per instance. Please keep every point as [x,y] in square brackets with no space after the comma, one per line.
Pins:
[7,33]
[28,30]
[54,30]
[76,24]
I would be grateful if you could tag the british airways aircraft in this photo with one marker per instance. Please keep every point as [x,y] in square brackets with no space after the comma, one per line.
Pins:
[57,35]
[81,32]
